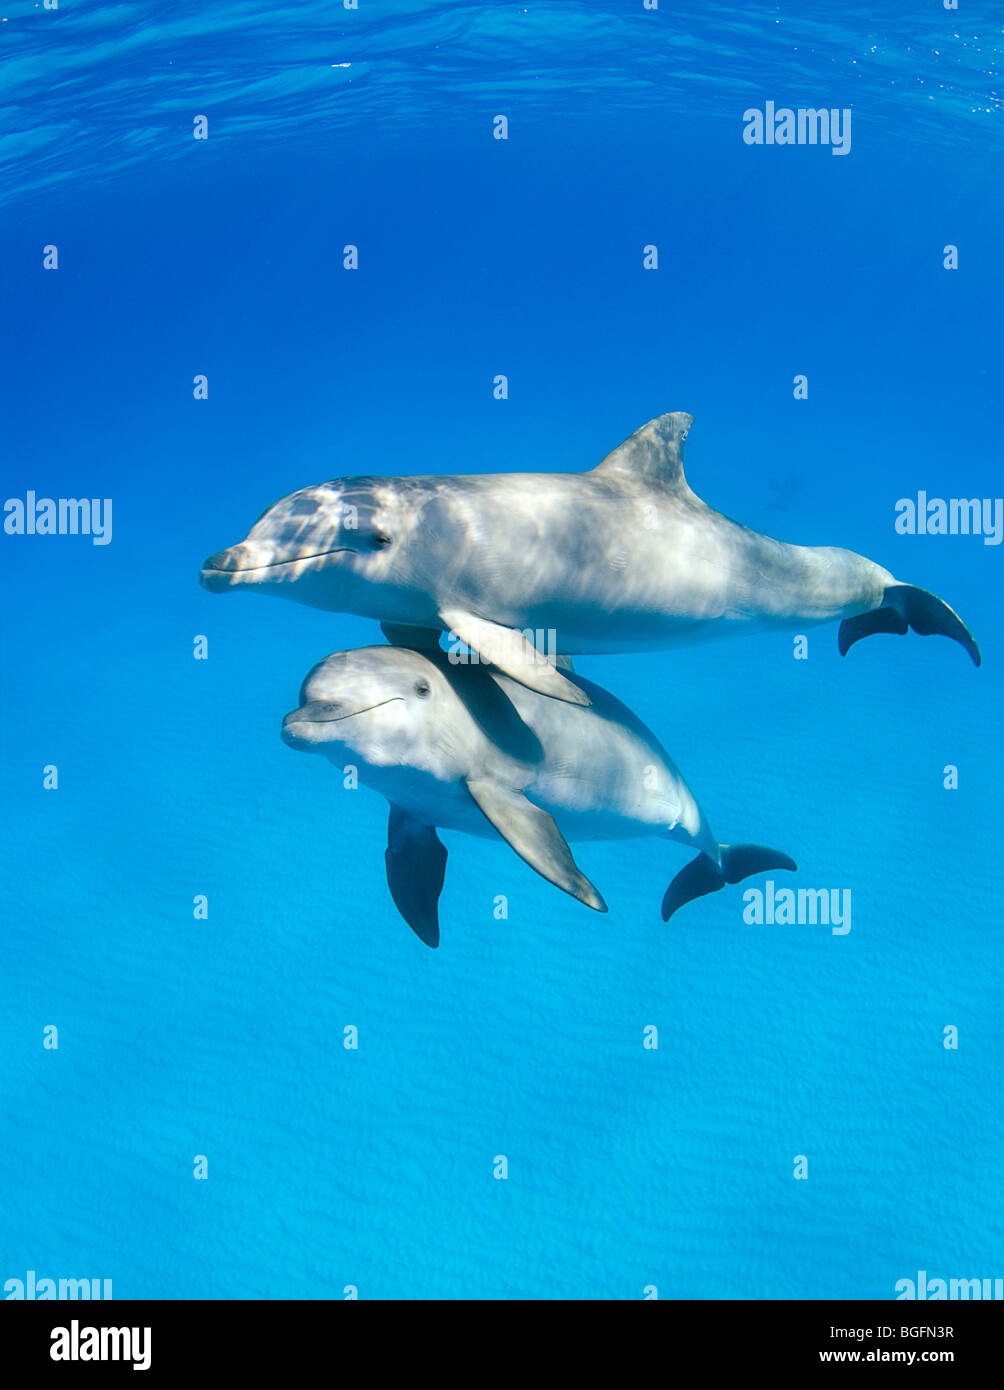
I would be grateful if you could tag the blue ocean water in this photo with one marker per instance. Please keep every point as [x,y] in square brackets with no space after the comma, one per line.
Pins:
[372,1169]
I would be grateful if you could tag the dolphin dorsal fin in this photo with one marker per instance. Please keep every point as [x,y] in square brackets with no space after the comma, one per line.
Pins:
[655,451]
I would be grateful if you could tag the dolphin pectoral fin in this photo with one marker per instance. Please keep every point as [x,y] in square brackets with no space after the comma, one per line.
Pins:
[416,867]
[534,836]
[702,875]
[419,639]
[513,654]
[905,607]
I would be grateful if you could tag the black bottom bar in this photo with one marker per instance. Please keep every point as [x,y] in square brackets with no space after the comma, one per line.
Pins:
[171,1340]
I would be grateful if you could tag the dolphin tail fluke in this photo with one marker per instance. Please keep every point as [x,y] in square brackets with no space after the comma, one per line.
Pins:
[905,607]
[702,875]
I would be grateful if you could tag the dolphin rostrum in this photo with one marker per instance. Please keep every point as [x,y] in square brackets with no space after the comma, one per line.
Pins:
[467,748]
[521,567]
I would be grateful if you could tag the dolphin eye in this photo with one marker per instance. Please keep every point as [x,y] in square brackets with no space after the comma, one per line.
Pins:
[421,689]
[381,540]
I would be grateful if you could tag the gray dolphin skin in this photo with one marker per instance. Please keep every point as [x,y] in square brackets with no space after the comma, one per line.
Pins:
[465,747]
[624,557]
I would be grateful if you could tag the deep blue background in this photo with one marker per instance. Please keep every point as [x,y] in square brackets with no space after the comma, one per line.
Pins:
[627,1167]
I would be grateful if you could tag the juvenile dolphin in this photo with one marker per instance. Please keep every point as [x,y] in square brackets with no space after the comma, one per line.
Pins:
[467,748]
[621,558]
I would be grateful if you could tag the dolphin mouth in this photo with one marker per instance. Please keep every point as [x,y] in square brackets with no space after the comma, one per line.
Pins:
[216,575]
[311,716]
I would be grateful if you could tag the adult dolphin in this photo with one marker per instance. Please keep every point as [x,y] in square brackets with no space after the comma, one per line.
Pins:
[621,558]
[467,748]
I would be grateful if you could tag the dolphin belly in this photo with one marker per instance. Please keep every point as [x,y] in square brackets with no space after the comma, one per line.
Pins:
[696,576]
